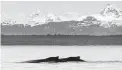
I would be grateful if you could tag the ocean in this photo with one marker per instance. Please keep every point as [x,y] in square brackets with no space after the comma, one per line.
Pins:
[97,57]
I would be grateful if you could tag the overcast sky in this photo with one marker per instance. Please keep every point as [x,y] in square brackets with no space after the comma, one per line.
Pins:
[17,9]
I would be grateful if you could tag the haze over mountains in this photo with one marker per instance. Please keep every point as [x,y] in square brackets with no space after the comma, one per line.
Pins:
[107,22]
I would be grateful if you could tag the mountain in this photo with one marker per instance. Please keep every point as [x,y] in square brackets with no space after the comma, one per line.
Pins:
[69,16]
[107,22]
[62,28]
[8,22]
[111,11]
[50,17]
[110,16]
[38,18]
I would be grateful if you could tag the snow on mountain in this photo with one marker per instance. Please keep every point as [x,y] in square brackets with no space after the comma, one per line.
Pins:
[81,18]
[108,17]
[36,18]
[13,18]
[69,16]
[8,22]
[6,19]
[87,21]
[111,11]
[34,14]
[108,14]
[39,18]
[51,17]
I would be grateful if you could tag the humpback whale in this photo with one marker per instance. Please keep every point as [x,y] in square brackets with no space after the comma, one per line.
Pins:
[56,59]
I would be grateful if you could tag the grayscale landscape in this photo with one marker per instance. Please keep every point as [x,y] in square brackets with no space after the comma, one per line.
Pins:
[64,28]
[61,35]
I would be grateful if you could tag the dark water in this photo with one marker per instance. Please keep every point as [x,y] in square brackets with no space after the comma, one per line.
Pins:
[60,40]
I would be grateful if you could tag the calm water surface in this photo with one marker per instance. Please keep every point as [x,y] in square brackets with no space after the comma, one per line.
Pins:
[97,57]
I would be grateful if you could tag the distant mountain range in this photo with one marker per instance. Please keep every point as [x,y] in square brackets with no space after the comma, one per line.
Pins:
[107,22]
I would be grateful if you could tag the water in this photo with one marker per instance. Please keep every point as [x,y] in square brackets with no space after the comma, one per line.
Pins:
[97,57]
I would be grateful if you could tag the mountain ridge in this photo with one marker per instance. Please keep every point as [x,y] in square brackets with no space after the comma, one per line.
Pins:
[105,23]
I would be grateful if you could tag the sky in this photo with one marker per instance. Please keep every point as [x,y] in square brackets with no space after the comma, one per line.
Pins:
[20,10]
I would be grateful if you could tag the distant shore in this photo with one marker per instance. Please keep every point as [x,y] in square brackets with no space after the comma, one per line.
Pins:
[61,40]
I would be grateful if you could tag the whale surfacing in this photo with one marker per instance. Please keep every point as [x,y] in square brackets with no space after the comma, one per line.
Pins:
[56,59]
